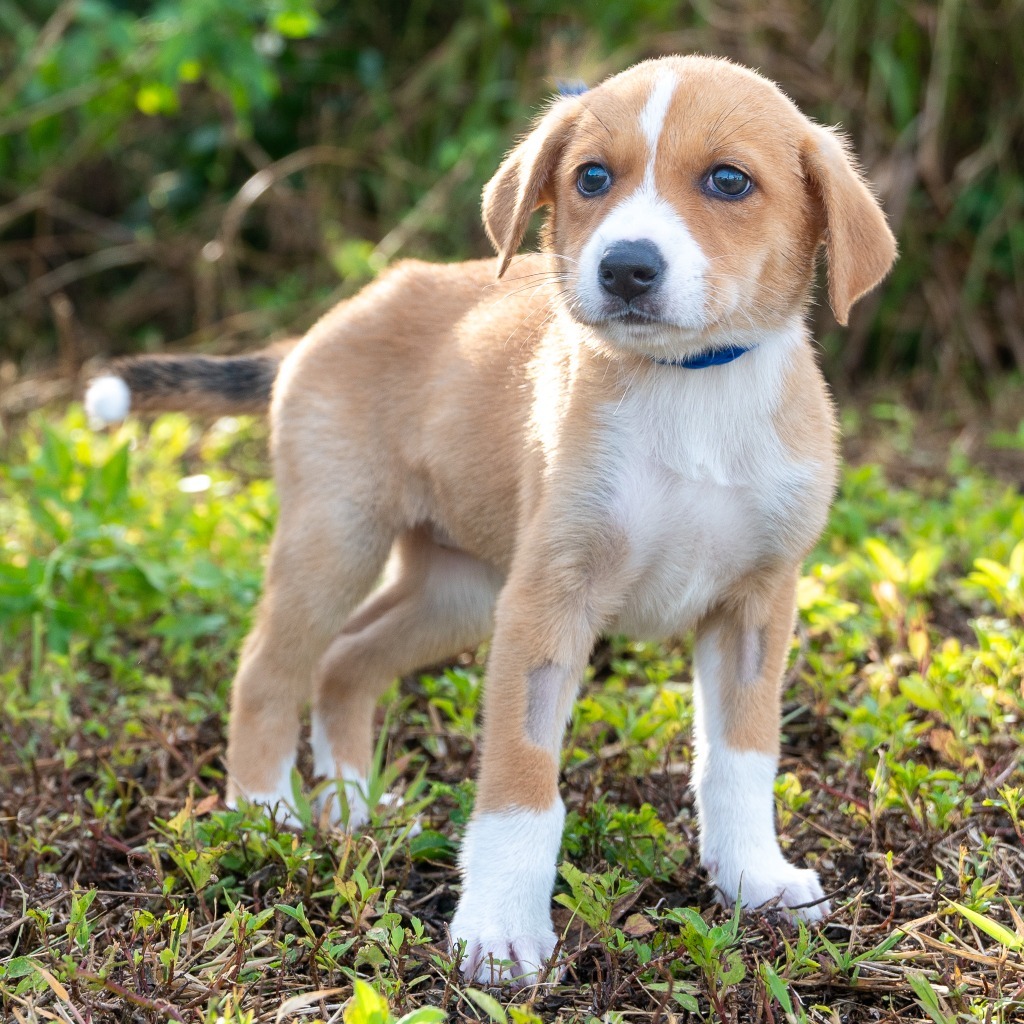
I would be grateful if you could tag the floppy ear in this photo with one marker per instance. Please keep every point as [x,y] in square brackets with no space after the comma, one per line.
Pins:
[859,246]
[523,181]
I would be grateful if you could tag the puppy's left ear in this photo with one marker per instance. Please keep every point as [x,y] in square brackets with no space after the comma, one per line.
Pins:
[859,246]
[524,180]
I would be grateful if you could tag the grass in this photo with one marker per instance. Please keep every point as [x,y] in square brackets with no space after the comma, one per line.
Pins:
[129,567]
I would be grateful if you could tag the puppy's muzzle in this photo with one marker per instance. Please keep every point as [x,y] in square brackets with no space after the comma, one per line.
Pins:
[629,270]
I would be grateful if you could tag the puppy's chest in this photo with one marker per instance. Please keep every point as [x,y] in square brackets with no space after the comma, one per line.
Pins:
[704,496]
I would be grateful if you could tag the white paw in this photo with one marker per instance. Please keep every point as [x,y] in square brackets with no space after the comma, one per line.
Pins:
[795,890]
[504,916]
[491,957]
[738,844]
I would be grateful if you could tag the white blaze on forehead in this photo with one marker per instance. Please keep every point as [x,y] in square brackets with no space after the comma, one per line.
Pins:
[652,118]
[645,214]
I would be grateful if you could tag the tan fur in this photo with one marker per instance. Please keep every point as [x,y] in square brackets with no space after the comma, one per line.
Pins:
[439,601]
[765,607]
[858,241]
[454,421]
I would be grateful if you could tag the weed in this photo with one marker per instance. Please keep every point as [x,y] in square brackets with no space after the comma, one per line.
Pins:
[124,881]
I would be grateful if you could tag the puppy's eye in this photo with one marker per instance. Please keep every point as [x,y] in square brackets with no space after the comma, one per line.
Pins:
[593,179]
[728,181]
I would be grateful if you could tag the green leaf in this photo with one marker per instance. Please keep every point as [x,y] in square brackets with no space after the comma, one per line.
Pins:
[488,1004]
[993,570]
[204,575]
[296,24]
[188,627]
[928,998]
[687,1002]
[157,575]
[520,1015]
[777,987]
[993,929]
[919,692]
[56,455]
[887,561]
[431,845]
[366,1006]
[1017,559]
[298,914]
[19,967]
[113,478]
[735,972]
[424,1015]
[688,917]
[156,98]
[923,566]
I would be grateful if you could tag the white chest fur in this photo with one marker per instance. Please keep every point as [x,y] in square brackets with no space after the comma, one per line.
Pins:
[702,486]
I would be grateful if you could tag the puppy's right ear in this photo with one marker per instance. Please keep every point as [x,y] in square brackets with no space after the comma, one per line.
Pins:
[523,181]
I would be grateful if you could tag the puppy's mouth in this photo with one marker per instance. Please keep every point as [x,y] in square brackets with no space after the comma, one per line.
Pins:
[633,316]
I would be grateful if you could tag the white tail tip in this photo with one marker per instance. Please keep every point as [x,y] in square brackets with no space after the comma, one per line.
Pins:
[107,400]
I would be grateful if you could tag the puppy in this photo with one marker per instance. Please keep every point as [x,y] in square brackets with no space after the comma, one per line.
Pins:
[626,433]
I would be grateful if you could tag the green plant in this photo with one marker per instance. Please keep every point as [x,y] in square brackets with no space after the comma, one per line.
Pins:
[366,131]
[368,1007]
[899,729]
[715,951]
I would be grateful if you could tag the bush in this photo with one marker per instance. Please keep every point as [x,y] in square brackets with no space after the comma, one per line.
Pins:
[206,170]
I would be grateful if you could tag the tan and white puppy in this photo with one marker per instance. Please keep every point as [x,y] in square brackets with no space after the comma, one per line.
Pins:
[626,433]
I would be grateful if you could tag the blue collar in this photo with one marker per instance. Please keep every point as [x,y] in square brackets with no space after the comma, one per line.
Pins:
[716,357]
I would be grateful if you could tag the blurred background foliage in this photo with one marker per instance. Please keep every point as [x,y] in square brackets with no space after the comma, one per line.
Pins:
[214,173]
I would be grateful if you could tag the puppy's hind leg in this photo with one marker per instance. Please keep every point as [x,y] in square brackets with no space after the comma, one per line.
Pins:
[437,602]
[326,555]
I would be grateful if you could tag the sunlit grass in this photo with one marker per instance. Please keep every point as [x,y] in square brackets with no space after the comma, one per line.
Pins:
[129,568]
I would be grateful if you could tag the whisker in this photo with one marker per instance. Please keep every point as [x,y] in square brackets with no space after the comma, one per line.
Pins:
[627,386]
[737,128]
[722,119]
[538,252]
[590,110]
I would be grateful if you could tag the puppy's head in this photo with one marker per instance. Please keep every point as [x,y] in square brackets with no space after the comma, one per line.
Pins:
[689,198]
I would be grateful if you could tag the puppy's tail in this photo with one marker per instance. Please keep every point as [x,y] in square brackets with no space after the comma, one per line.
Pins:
[210,385]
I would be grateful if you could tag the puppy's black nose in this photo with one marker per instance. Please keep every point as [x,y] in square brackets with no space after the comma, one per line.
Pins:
[629,269]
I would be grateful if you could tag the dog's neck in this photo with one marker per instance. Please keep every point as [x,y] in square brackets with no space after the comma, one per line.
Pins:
[712,357]
[718,349]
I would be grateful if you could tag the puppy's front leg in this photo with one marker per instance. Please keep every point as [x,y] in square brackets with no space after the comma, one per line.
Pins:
[540,647]
[739,659]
